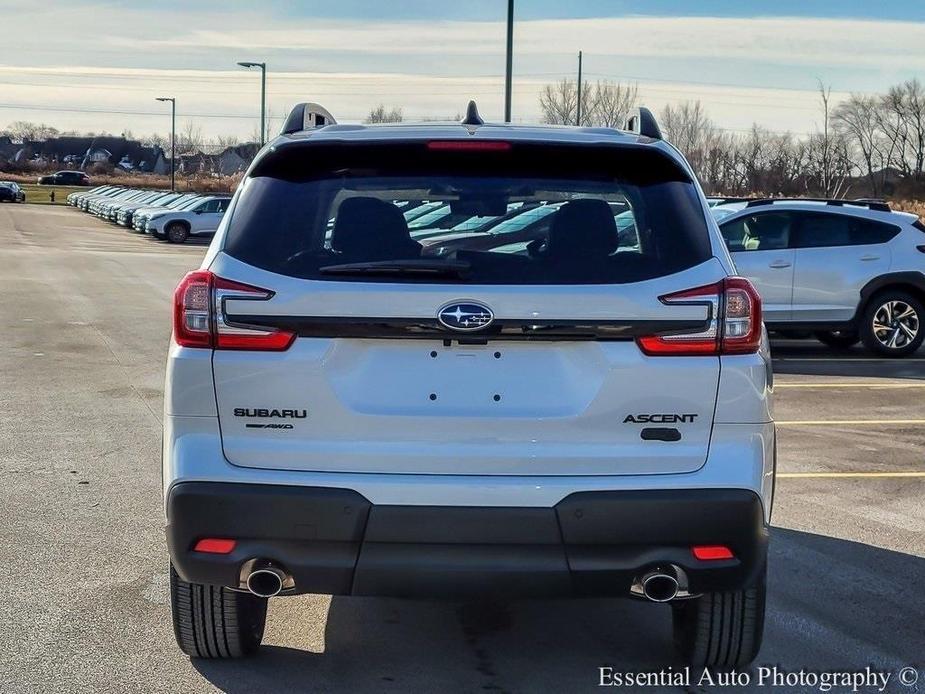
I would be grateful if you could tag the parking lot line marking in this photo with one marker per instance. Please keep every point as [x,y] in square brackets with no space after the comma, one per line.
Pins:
[849,385]
[847,422]
[872,360]
[850,474]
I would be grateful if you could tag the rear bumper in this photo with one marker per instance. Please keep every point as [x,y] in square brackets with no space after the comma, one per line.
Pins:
[335,541]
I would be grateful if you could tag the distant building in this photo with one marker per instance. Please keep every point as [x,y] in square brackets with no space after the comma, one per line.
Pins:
[74,152]
[235,159]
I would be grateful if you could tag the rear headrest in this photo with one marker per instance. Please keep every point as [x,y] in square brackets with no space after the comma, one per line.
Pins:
[372,229]
[583,228]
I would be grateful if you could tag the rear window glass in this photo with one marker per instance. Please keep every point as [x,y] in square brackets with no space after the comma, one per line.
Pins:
[821,231]
[528,215]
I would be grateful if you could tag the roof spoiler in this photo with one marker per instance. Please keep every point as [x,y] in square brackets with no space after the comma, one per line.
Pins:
[306,116]
[643,123]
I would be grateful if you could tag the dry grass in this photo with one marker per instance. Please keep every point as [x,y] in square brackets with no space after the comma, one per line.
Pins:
[915,206]
[41,195]
[198,184]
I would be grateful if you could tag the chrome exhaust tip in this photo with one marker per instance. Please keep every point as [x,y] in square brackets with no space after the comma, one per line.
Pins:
[662,584]
[265,583]
[658,586]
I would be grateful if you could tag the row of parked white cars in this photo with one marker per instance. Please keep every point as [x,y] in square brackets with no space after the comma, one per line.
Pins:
[166,215]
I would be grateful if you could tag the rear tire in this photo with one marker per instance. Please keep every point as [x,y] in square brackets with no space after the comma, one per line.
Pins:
[891,324]
[176,233]
[838,339]
[215,622]
[722,629]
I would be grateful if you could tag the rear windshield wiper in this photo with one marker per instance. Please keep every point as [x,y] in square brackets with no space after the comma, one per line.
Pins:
[448,268]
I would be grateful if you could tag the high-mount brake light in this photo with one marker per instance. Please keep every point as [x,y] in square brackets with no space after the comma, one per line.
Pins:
[469,145]
[199,318]
[734,326]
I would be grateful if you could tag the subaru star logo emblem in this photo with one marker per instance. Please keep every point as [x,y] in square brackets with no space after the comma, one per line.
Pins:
[465,316]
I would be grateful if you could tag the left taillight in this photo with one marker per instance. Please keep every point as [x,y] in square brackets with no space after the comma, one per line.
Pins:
[734,326]
[192,320]
[199,318]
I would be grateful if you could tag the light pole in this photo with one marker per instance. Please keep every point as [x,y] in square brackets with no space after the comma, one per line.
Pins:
[578,119]
[510,61]
[173,136]
[263,97]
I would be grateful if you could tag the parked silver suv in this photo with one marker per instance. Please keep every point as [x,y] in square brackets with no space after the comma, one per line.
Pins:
[846,270]
[350,411]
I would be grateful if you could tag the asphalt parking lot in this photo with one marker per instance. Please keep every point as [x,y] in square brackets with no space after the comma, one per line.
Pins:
[84,309]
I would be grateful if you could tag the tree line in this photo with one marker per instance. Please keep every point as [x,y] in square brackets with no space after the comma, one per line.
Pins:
[867,145]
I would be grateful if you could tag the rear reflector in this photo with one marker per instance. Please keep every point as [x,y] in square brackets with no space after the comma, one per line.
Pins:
[215,545]
[469,145]
[712,552]
[734,327]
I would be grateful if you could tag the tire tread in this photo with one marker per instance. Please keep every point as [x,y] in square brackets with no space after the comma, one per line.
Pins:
[214,621]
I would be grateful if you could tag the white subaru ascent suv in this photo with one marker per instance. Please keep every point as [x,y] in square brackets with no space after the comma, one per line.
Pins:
[350,411]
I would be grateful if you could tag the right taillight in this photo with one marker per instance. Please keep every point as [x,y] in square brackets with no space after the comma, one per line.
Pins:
[741,317]
[199,316]
[734,326]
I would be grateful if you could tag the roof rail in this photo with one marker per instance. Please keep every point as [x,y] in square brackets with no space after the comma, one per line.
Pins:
[643,123]
[727,199]
[306,116]
[875,205]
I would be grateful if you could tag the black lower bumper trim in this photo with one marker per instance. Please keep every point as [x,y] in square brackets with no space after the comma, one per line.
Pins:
[334,541]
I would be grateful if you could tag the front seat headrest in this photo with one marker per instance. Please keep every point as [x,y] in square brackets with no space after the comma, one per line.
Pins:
[372,229]
[583,228]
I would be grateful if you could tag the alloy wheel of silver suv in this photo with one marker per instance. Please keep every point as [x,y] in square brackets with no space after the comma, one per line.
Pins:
[892,324]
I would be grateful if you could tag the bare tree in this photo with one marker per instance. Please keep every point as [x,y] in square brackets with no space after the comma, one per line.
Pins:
[612,103]
[903,122]
[828,152]
[559,103]
[860,119]
[25,130]
[189,137]
[688,128]
[223,142]
[158,140]
[603,103]
[382,115]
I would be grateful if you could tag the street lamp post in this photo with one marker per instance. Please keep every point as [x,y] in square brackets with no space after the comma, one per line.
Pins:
[263,97]
[578,118]
[173,137]
[510,61]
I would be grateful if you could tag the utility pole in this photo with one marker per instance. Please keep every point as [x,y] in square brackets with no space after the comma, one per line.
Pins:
[578,118]
[510,61]
[173,138]
[263,98]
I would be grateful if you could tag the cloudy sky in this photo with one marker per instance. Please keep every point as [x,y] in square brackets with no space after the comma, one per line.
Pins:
[79,64]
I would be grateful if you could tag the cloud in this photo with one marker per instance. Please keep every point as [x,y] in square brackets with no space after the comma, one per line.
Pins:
[428,67]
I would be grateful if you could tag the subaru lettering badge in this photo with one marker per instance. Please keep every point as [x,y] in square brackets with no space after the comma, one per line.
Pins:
[465,316]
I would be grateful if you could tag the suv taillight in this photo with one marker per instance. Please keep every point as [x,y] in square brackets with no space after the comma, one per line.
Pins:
[199,316]
[734,328]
